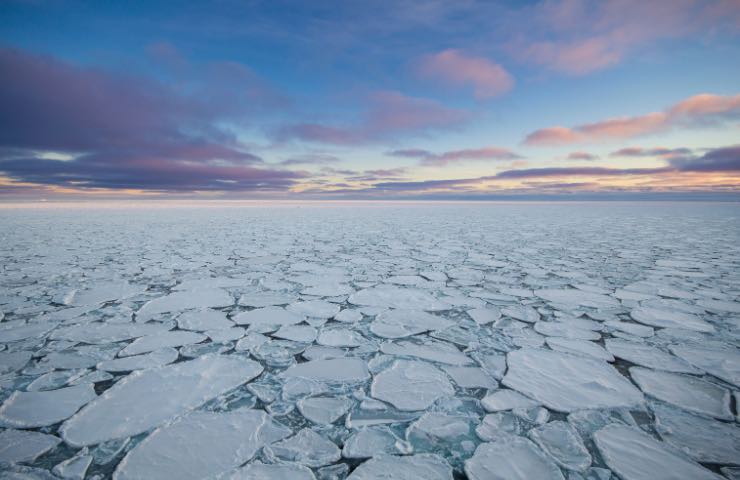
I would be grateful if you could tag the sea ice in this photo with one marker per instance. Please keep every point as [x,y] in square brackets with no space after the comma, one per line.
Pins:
[314,309]
[157,358]
[579,347]
[405,323]
[647,356]
[703,439]
[563,443]
[370,442]
[566,382]
[390,467]
[659,317]
[40,409]
[24,446]
[576,298]
[723,363]
[203,319]
[185,385]
[271,317]
[179,301]
[389,296]
[200,445]
[334,370]
[684,391]
[278,471]
[433,351]
[411,385]
[483,316]
[634,455]
[176,338]
[306,448]
[511,458]
[324,410]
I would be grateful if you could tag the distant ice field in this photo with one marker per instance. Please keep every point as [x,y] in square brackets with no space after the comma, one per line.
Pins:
[578,341]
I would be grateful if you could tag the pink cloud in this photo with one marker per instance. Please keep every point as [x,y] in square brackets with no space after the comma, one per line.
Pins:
[453,67]
[580,37]
[690,112]
[582,156]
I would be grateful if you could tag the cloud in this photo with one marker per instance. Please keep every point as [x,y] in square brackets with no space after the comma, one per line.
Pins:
[579,37]
[579,172]
[453,67]
[650,152]
[113,131]
[311,159]
[582,156]
[434,159]
[694,111]
[389,115]
[725,159]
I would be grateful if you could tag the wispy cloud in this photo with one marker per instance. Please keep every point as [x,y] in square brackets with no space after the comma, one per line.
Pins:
[582,156]
[650,152]
[390,115]
[579,37]
[428,158]
[694,111]
[453,67]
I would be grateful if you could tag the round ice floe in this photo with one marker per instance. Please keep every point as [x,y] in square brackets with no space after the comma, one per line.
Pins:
[566,382]
[334,370]
[269,316]
[160,340]
[203,319]
[306,448]
[483,316]
[397,297]
[324,410]
[404,323]
[669,318]
[411,385]
[575,297]
[179,301]
[522,313]
[314,309]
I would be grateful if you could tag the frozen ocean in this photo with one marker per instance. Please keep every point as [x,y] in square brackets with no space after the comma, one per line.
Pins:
[578,341]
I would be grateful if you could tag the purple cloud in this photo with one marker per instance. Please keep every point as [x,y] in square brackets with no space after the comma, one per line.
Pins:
[650,152]
[119,132]
[726,159]
[389,115]
[455,156]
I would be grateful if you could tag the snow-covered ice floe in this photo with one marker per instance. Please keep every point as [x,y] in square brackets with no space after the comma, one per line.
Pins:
[578,342]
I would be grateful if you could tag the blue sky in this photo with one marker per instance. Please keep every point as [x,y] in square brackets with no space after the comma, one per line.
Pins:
[285,99]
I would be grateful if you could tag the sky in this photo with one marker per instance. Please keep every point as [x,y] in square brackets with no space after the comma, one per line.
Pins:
[373,99]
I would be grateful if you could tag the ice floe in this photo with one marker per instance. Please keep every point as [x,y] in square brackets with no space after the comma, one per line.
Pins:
[634,455]
[200,445]
[566,382]
[186,385]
